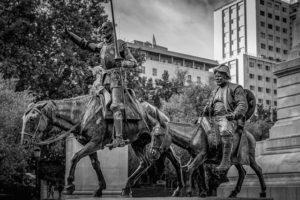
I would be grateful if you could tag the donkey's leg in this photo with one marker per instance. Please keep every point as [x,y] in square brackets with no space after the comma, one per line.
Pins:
[202,184]
[97,168]
[88,149]
[242,174]
[259,173]
[140,152]
[175,160]
[199,159]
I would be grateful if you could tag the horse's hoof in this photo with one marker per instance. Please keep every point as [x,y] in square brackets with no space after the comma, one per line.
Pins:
[202,195]
[233,194]
[263,195]
[70,189]
[176,193]
[189,194]
[126,192]
[98,193]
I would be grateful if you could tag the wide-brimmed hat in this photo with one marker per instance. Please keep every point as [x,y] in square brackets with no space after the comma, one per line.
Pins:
[222,69]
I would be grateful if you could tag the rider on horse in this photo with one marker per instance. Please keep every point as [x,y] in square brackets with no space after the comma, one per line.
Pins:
[111,78]
[227,107]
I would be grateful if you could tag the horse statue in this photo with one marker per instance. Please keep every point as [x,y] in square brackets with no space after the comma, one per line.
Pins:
[201,146]
[85,118]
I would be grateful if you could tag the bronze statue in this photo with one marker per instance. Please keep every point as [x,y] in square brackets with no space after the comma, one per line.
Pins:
[83,117]
[220,137]
[112,77]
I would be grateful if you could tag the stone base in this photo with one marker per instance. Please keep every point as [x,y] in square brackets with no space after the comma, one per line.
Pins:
[167,198]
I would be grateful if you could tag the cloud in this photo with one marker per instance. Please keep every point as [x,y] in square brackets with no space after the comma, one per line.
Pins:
[184,26]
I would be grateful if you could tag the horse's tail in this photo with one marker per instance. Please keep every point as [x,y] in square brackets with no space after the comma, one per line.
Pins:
[251,143]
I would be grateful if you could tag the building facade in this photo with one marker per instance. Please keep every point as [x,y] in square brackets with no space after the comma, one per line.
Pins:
[251,36]
[159,60]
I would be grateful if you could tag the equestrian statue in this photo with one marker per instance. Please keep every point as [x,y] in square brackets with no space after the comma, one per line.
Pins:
[219,137]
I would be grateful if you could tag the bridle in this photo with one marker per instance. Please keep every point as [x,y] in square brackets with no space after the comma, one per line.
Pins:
[157,132]
[43,116]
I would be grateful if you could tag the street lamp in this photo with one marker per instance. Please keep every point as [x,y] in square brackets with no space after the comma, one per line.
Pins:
[37,155]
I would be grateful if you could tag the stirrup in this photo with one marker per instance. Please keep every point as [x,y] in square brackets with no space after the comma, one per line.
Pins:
[118,142]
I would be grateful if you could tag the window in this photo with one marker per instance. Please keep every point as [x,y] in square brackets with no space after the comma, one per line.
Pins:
[232,21]
[269,4]
[268,90]
[284,30]
[275,92]
[251,64]
[271,37]
[260,89]
[268,68]
[143,70]
[278,39]
[262,35]
[262,13]
[263,46]
[277,28]
[198,79]
[270,26]
[251,76]
[154,72]
[270,48]
[283,9]
[284,41]
[259,78]
[252,87]
[260,100]
[267,79]
[270,15]
[268,102]
[285,52]
[262,24]
[275,103]
[276,7]
[259,66]
[278,50]
[284,20]
[275,80]
[189,77]
[277,17]
[262,2]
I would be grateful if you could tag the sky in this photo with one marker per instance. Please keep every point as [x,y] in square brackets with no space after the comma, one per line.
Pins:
[183,26]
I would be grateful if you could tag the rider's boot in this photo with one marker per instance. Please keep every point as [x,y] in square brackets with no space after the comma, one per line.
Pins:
[118,127]
[227,144]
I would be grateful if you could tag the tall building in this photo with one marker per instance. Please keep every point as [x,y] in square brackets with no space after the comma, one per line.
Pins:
[251,36]
[159,59]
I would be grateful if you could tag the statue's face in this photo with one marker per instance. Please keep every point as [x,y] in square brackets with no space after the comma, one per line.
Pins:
[107,30]
[220,78]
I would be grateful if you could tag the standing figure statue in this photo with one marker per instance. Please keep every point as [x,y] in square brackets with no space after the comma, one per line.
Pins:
[111,78]
[227,107]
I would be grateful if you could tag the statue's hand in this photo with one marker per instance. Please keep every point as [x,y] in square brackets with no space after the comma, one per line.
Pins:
[119,63]
[62,26]
[230,117]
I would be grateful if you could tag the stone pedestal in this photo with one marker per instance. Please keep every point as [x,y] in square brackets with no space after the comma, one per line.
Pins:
[279,156]
[114,165]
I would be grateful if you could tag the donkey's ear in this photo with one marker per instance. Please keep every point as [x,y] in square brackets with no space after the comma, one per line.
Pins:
[42,105]
[30,105]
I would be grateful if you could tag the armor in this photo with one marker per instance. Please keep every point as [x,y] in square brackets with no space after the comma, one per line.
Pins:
[111,77]
[227,107]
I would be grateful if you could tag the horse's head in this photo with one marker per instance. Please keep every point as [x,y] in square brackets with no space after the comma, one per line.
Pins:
[35,122]
[156,139]
[166,141]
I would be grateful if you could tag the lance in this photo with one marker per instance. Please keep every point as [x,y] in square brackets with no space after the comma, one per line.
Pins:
[117,52]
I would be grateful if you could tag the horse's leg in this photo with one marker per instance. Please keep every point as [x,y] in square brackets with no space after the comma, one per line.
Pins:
[242,174]
[140,152]
[199,159]
[175,160]
[88,149]
[97,168]
[202,187]
[259,173]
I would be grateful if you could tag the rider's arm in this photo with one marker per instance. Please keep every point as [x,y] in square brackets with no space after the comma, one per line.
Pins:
[241,103]
[129,60]
[84,44]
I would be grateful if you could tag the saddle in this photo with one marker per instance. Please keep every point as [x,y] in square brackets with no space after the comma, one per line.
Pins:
[240,150]
[130,111]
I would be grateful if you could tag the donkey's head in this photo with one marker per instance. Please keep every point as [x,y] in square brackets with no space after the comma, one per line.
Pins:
[157,135]
[35,122]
